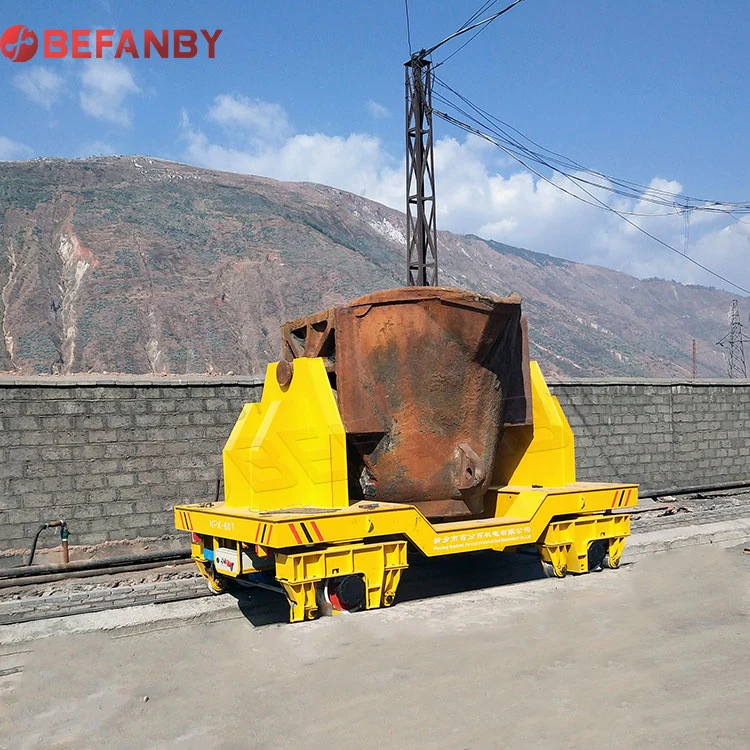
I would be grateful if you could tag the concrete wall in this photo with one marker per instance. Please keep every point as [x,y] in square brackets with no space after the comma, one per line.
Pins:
[112,456]
[659,433]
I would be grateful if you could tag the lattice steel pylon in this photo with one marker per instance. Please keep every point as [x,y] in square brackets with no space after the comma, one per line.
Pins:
[734,341]
[421,222]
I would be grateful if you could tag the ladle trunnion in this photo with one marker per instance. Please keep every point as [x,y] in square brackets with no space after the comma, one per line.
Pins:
[408,415]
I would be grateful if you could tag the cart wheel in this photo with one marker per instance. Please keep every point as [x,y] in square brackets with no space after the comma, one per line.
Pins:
[345,594]
[549,570]
[607,562]
[597,553]
[217,584]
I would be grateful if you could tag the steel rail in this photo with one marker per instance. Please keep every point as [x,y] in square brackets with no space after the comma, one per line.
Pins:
[111,562]
[34,580]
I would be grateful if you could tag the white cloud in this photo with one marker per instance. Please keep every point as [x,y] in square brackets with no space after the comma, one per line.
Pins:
[12,150]
[105,86]
[264,121]
[479,192]
[357,163]
[41,85]
[377,111]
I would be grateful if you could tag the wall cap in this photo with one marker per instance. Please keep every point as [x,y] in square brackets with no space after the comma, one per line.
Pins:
[663,382]
[94,381]
[73,381]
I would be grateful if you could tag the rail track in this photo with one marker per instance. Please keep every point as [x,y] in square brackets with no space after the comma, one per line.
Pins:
[29,576]
[28,594]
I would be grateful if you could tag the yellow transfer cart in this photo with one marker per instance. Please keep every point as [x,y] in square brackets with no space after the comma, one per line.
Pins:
[287,523]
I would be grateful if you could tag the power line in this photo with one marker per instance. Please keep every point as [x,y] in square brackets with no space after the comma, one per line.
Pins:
[482,9]
[408,26]
[514,146]
[479,12]
[651,194]
[556,162]
[467,42]
[601,204]
[465,29]
[563,165]
[686,209]
[559,171]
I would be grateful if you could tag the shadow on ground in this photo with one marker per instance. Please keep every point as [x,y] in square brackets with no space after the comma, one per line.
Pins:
[424,579]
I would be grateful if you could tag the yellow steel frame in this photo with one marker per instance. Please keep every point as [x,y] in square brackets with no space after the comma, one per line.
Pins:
[364,522]
[540,454]
[379,564]
[565,544]
[299,539]
[285,472]
[290,449]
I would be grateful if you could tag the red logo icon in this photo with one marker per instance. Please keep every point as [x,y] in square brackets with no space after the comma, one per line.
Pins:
[18,43]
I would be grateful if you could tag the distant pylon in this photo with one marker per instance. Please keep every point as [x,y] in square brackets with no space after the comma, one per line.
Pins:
[734,341]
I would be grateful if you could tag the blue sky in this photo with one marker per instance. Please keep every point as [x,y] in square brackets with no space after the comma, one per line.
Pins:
[314,91]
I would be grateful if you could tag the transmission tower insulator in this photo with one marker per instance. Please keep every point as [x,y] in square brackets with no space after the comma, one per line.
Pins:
[421,223]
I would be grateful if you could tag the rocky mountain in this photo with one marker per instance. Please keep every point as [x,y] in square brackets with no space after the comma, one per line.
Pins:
[138,265]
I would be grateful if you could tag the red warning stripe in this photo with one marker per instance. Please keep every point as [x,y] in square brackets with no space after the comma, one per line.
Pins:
[316,530]
[257,533]
[270,531]
[627,497]
[295,533]
[614,499]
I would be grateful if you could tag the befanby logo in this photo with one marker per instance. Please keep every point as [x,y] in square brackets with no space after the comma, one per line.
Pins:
[20,43]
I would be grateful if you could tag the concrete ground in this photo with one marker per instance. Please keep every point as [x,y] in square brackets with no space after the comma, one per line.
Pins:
[653,655]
